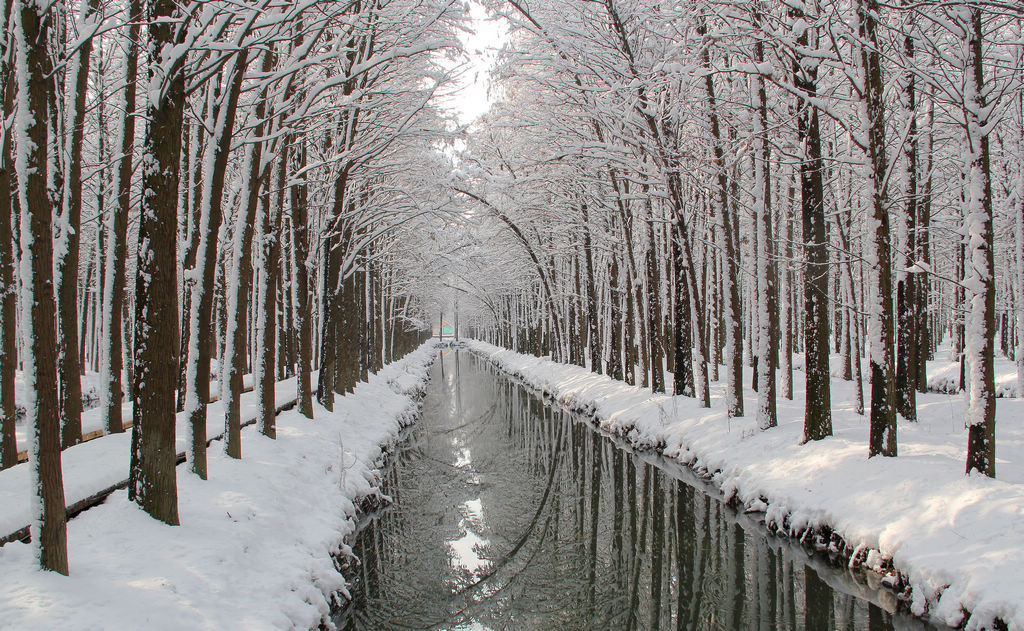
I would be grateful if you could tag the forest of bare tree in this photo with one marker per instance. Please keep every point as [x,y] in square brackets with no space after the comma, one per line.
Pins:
[751,205]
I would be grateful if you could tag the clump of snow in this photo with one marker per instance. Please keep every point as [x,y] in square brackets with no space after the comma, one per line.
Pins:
[256,544]
[955,542]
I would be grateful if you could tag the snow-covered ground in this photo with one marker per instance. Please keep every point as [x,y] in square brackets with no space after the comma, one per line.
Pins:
[90,398]
[944,373]
[255,544]
[958,540]
[95,465]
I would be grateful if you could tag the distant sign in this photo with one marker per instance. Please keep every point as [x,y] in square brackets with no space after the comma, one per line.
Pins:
[446,330]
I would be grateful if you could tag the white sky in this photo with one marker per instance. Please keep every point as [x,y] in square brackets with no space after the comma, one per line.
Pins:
[482,46]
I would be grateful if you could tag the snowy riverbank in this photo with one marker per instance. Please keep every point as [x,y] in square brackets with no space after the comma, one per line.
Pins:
[958,541]
[255,545]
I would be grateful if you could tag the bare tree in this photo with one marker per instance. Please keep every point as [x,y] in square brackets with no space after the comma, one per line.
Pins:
[880,318]
[153,482]
[9,210]
[49,526]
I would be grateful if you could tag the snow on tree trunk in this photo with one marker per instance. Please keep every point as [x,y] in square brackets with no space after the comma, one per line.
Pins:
[882,439]
[237,287]
[39,326]
[9,208]
[266,320]
[201,344]
[69,360]
[908,310]
[730,255]
[191,215]
[1019,225]
[979,267]
[818,405]
[786,298]
[111,385]
[235,337]
[767,312]
[301,297]
[152,482]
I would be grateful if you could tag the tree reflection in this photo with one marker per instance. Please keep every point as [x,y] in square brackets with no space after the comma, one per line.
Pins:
[581,534]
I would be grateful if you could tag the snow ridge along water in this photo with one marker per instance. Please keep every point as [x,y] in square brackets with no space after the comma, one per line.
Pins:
[956,541]
[256,545]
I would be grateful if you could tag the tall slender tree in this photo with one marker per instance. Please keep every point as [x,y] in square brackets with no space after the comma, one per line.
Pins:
[201,344]
[9,210]
[49,524]
[115,275]
[882,438]
[67,263]
[979,272]
[818,406]
[152,481]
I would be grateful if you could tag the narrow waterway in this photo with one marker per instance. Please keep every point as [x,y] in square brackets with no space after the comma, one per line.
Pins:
[509,514]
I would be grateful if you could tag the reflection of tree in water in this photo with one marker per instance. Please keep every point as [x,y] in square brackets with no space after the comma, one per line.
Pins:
[579,534]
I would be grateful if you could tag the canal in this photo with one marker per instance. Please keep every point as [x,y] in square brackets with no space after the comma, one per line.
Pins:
[509,514]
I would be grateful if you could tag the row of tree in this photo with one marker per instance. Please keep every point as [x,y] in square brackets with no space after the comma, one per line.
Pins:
[182,182]
[733,181]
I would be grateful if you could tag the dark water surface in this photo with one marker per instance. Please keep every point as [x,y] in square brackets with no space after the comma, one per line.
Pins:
[509,514]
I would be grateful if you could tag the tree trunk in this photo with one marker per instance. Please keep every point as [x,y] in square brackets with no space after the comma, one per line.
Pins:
[303,322]
[767,311]
[614,300]
[714,311]
[39,326]
[9,209]
[69,360]
[786,303]
[236,336]
[882,439]
[266,324]
[683,378]
[630,346]
[350,320]
[152,482]
[330,285]
[1019,224]
[730,273]
[979,271]
[594,326]
[908,307]
[202,342]
[846,244]
[192,211]
[654,311]
[818,406]
[114,306]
